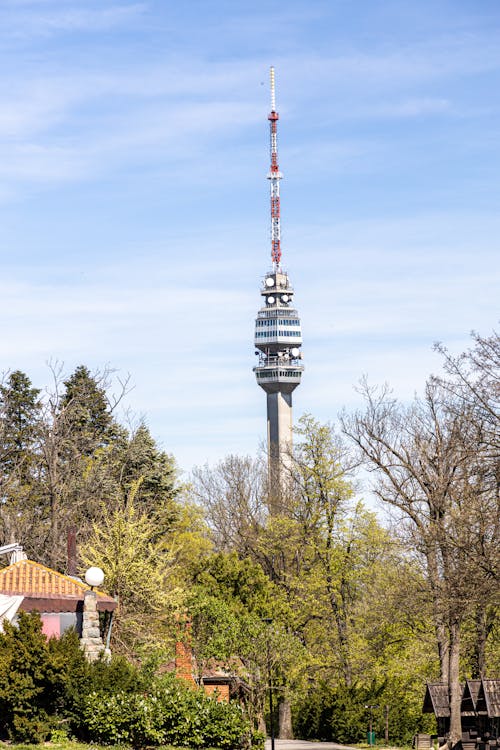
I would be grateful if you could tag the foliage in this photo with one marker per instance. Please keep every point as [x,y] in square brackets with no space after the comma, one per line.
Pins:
[168,712]
[137,564]
[32,680]
[432,463]
[336,714]
[328,575]
[86,411]
[234,500]
[48,688]
[63,456]
[358,611]
[65,462]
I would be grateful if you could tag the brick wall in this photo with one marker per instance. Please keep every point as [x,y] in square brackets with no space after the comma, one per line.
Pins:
[221,691]
[183,654]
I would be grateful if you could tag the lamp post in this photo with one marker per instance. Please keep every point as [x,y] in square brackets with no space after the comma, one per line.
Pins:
[370,725]
[268,621]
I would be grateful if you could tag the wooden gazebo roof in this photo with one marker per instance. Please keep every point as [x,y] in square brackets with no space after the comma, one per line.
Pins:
[470,704]
[436,700]
[491,691]
[479,697]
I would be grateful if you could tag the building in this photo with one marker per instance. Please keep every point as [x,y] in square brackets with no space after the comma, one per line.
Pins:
[62,601]
[480,712]
[217,678]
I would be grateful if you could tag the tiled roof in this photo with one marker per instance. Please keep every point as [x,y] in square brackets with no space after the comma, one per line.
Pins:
[32,579]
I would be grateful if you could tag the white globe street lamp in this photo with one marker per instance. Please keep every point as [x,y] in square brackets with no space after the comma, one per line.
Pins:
[94,577]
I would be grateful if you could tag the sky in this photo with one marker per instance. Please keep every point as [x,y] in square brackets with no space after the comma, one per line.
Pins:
[134,205]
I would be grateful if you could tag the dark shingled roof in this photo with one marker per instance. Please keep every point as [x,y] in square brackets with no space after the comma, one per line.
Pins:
[436,700]
[491,690]
[478,697]
[470,697]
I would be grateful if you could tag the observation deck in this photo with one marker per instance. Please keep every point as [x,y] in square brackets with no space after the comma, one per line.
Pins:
[278,337]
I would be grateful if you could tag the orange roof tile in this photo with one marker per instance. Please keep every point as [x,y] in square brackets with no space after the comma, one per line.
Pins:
[32,579]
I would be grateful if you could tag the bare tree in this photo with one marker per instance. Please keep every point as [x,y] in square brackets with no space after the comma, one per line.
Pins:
[233,495]
[426,460]
[473,384]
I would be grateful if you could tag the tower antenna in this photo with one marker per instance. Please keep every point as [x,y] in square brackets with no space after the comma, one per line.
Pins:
[274,176]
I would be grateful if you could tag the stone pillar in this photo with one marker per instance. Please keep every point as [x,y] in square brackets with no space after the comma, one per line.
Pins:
[91,641]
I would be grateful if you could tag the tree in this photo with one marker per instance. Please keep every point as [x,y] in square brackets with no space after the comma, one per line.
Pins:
[20,413]
[138,566]
[154,473]
[229,605]
[86,410]
[324,555]
[233,496]
[77,445]
[424,459]
[322,492]
[472,381]
[36,678]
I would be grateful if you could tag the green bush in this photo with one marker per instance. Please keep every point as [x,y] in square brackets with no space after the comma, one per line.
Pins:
[48,688]
[168,713]
[31,681]
[338,714]
[43,683]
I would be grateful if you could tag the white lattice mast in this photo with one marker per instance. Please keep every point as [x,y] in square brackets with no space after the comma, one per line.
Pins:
[274,177]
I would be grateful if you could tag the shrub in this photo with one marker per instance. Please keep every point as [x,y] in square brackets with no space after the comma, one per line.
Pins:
[225,725]
[338,714]
[31,681]
[168,713]
[48,687]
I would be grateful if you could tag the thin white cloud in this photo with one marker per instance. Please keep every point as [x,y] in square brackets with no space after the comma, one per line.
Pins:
[137,110]
[46,19]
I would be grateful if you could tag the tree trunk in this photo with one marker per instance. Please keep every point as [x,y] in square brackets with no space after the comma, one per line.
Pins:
[261,723]
[454,692]
[443,642]
[483,627]
[285,731]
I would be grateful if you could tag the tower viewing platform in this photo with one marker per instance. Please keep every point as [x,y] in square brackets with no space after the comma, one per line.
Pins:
[278,337]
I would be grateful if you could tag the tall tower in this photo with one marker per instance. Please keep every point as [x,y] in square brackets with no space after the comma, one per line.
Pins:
[278,336]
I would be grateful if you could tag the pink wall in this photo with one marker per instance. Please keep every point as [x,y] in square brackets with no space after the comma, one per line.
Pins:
[51,625]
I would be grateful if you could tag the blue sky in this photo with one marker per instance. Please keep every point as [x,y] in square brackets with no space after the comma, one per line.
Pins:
[134,227]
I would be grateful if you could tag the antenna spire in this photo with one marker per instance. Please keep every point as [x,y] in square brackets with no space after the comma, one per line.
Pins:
[274,176]
[273,92]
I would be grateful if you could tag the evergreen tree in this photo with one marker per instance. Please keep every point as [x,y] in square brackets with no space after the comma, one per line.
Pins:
[154,474]
[19,420]
[20,426]
[86,411]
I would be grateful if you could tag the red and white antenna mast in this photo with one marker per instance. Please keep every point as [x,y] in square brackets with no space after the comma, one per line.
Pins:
[274,177]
